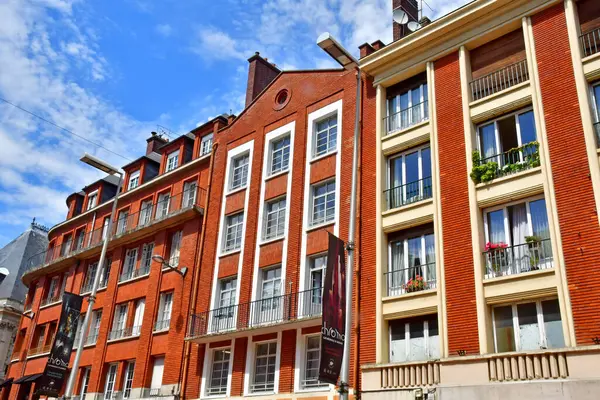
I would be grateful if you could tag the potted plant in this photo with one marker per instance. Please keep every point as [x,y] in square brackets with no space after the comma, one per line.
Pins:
[415,285]
[496,257]
[533,244]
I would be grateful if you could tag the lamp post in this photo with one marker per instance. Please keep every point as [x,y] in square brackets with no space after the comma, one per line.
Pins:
[349,63]
[109,169]
[160,259]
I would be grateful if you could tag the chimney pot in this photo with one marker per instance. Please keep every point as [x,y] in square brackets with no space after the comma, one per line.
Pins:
[154,142]
[260,75]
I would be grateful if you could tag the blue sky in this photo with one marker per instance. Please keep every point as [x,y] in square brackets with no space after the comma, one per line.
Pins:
[112,70]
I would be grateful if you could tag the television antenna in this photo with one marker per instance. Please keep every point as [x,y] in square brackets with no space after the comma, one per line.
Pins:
[402,17]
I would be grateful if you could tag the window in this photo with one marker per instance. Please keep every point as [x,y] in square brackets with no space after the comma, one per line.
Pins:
[157,376]
[92,200]
[325,136]
[517,238]
[95,327]
[128,379]
[233,232]
[129,264]
[109,386]
[312,360]
[409,178]
[239,171]
[175,248]
[146,262]
[41,336]
[313,298]
[275,219]
[223,317]
[206,144]
[80,239]
[85,381]
[280,155]
[65,248]
[263,379]
[105,274]
[323,202]
[596,96]
[407,108]
[119,321]
[219,373]
[271,301]
[189,194]
[138,318]
[92,269]
[164,312]
[145,212]
[412,263]
[105,227]
[528,326]
[122,221]
[134,180]
[414,339]
[53,290]
[496,138]
[172,161]
[162,205]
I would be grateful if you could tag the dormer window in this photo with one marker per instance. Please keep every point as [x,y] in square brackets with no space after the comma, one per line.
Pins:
[172,161]
[134,180]
[92,200]
[206,144]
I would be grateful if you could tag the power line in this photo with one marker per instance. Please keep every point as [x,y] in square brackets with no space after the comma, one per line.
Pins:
[64,129]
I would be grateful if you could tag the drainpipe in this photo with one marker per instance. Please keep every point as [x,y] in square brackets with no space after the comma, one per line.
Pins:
[196,276]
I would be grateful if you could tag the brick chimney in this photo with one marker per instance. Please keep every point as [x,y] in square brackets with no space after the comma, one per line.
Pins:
[154,142]
[260,74]
[411,7]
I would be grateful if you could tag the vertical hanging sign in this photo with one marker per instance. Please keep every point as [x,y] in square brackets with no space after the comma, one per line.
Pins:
[58,360]
[333,328]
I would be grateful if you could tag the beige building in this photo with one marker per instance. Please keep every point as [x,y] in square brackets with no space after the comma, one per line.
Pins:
[487,236]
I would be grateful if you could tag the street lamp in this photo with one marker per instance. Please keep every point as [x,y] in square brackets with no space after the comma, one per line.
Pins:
[161,260]
[109,169]
[349,63]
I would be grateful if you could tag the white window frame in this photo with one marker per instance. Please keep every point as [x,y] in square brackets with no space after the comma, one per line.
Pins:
[146,262]
[206,144]
[175,248]
[134,180]
[104,229]
[94,328]
[330,149]
[92,200]
[275,219]
[498,148]
[85,381]
[252,366]
[241,171]
[303,360]
[424,264]
[145,212]
[233,232]
[153,385]
[407,343]
[111,379]
[165,309]
[223,316]
[283,153]
[127,379]
[190,189]
[172,161]
[404,183]
[118,324]
[122,221]
[210,369]
[162,205]
[138,317]
[515,320]
[326,195]
[393,108]
[129,264]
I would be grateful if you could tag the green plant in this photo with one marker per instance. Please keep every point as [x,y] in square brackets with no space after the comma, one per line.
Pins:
[532,239]
[488,171]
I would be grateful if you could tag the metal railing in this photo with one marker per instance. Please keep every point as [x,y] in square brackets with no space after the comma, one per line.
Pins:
[160,210]
[514,160]
[162,325]
[91,339]
[266,386]
[590,42]
[597,131]
[214,390]
[273,310]
[408,193]
[411,279]
[129,331]
[51,299]
[404,119]
[499,80]
[39,350]
[312,383]
[511,260]
[134,273]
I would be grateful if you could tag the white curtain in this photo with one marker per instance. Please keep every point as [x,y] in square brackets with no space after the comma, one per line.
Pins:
[430,257]
[396,276]
[519,231]
[488,141]
[414,257]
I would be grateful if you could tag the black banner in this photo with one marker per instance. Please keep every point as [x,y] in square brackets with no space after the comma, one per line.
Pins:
[58,360]
[333,328]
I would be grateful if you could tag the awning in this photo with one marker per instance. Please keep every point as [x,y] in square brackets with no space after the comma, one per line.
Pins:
[28,378]
[6,382]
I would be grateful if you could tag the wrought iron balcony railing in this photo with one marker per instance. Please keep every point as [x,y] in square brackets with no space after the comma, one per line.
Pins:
[127,332]
[408,193]
[269,311]
[39,350]
[134,273]
[507,163]
[162,325]
[503,260]
[411,279]
[499,80]
[404,119]
[51,299]
[590,42]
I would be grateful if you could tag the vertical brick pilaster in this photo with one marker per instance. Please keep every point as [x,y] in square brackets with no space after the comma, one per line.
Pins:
[579,227]
[458,254]
[286,361]
[239,366]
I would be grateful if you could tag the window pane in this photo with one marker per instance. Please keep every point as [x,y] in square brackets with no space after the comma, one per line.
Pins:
[426,162]
[417,346]
[434,339]
[412,167]
[505,334]
[395,172]
[553,324]
[539,218]
[397,341]
[488,140]
[529,330]
[527,127]
[496,227]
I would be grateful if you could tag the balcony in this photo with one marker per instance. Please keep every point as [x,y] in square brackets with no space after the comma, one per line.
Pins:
[502,260]
[153,217]
[499,80]
[411,280]
[125,333]
[134,273]
[256,314]
[409,193]
[507,163]
[51,299]
[590,42]
[36,351]
[406,118]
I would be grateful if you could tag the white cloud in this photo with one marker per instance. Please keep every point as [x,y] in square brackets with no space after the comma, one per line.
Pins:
[214,44]
[164,30]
